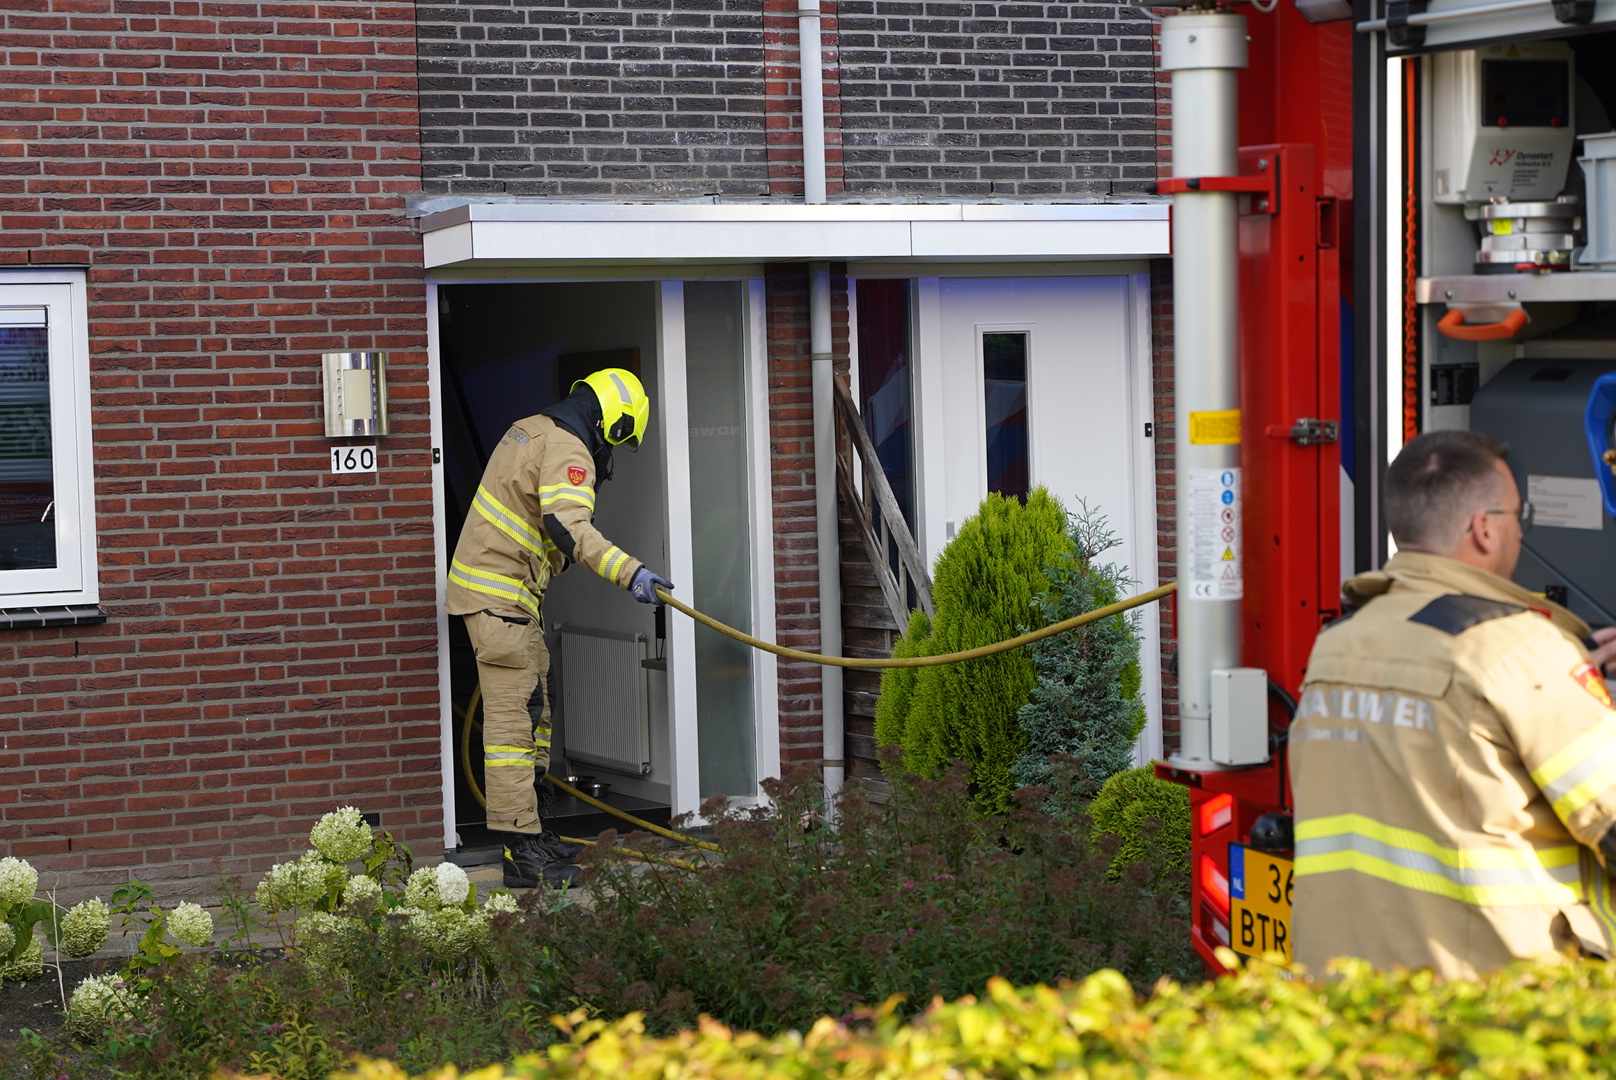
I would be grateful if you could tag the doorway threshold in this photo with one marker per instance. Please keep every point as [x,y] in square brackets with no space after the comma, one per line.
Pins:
[480,846]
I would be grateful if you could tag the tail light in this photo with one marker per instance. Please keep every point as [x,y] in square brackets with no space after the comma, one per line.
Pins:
[1216,813]
[1215,886]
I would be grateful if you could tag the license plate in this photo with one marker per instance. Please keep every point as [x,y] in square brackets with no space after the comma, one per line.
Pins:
[1259,902]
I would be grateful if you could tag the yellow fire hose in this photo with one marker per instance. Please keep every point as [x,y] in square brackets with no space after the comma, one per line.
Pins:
[922,661]
[794,654]
[566,788]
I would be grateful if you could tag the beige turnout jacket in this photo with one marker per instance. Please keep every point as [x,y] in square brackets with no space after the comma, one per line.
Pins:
[533,511]
[1453,762]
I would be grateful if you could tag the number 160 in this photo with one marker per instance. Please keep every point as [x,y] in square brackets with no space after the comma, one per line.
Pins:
[353,459]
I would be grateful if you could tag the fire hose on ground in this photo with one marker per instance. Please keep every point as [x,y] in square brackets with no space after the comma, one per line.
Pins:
[806,657]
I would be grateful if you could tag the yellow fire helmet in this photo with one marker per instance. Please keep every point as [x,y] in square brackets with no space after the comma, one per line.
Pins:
[624,409]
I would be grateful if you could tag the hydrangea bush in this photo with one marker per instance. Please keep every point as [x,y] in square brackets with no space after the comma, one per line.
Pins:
[28,922]
[336,911]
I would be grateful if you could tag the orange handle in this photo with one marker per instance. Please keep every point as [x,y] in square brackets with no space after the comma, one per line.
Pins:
[1454,326]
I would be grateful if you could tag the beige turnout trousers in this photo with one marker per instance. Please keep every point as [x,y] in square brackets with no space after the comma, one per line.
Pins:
[513,669]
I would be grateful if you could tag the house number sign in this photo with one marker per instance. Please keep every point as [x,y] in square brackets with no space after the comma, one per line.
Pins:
[351,459]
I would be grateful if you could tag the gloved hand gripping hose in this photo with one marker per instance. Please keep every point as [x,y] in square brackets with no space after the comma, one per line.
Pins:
[922,661]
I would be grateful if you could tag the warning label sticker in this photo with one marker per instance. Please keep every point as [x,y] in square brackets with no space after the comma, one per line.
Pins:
[1221,428]
[1215,565]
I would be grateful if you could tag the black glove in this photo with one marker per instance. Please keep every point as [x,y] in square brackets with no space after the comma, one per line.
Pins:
[645,584]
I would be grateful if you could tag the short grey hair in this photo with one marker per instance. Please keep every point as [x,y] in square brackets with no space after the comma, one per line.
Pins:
[1439,480]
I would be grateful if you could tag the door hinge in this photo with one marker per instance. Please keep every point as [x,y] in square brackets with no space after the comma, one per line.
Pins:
[1307,431]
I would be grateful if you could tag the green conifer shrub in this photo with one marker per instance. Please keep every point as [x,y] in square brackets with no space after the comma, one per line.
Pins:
[983,590]
[898,684]
[1086,704]
[1124,806]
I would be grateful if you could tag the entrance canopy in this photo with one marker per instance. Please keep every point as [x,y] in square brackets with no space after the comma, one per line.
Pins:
[559,233]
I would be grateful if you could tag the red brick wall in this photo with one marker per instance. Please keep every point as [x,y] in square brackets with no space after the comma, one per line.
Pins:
[1161,381]
[1161,336]
[782,103]
[791,450]
[232,176]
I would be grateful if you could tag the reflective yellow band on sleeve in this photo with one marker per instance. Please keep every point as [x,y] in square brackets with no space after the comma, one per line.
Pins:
[554,493]
[1599,893]
[1580,773]
[609,562]
[486,581]
[510,523]
[509,755]
[1486,876]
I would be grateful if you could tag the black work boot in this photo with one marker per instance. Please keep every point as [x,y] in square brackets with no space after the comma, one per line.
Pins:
[530,862]
[546,802]
[565,848]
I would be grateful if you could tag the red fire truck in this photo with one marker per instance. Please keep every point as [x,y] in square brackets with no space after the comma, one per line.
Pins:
[1388,216]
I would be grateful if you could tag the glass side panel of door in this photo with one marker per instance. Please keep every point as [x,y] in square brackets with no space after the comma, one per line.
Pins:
[1004,393]
[715,364]
[885,399]
[27,488]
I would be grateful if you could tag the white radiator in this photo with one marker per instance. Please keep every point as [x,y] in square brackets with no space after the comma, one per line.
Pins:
[605,712]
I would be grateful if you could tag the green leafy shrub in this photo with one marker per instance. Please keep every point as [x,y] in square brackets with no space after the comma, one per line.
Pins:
[984,587]
[1527,1021]
[1125,808]
[898,684]
[919,896]
[1085,704]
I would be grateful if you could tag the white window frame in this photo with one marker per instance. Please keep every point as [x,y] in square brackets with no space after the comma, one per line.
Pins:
[73,581]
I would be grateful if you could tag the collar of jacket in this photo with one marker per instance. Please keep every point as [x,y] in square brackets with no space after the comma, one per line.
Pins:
[1422,571]
[579,415]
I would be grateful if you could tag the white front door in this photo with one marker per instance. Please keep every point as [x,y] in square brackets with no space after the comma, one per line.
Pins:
[1042,381]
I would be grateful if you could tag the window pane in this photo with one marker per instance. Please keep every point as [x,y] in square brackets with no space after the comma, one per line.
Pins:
[1004,375]
[27,493]
[884,395]
[715,370]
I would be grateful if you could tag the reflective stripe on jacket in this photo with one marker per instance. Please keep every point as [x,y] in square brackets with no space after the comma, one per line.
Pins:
[506,555]
[1453,761]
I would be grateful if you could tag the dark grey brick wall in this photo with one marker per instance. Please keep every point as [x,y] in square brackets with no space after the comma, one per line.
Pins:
[665,99]
[997,99]
[593,98]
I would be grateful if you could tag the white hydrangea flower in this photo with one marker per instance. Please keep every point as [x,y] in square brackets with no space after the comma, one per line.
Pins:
[18,880]
[421,891]
[30,965]
[84,928]
[448,933]
[97,1001]
[453,885]
[361,893]
[300,884]
[500,902]
[190,925]
[342,835]
[8,939]
[325,939]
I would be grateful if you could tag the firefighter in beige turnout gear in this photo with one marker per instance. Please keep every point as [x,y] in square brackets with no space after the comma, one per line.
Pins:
[1453,757]
[531,517]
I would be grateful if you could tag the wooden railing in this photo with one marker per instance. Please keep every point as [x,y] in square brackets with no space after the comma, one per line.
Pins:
[880,521]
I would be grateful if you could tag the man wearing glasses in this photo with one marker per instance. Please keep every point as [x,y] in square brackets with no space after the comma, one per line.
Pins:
[1453,758]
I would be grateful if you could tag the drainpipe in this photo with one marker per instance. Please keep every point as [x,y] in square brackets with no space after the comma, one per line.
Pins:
[1204,51]
[828,532]
[810,62]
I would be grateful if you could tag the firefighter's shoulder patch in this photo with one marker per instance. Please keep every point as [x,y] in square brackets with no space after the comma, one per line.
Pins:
[1456,612]
[576,475]
[1587,676]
